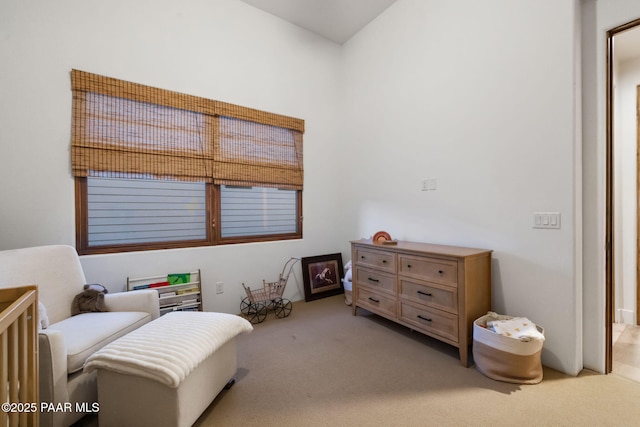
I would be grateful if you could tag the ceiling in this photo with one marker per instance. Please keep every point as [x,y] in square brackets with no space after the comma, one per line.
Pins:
[339,20]
[336,20]
[626,44]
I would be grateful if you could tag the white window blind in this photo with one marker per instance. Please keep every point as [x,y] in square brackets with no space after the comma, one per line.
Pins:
[256,211]
[127,211]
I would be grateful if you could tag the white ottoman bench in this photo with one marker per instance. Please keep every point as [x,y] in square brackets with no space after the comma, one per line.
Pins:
[167,372]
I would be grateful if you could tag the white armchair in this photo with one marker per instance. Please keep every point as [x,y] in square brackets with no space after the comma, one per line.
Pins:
[68,340]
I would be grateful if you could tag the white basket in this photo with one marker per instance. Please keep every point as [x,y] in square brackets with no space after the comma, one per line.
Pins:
[504,358]
[511,345]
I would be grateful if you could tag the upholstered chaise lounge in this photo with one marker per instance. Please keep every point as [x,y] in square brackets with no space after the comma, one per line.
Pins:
[69,340]
[166,373]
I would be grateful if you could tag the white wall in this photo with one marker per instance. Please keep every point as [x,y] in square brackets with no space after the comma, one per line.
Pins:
[221,49]
[485,102]
[627,78]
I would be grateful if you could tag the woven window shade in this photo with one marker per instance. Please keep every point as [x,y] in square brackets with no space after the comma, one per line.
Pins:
[124,128]
[253,154]
[249,114]
[128,128]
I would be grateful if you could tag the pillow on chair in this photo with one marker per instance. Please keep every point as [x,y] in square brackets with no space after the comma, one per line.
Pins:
[42,316]
[90,300]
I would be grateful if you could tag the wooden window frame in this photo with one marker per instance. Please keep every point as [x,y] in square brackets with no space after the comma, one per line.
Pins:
[225,167]
[257,238]
[213,230]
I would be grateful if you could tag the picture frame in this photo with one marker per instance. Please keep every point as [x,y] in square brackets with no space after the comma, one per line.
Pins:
[322,276]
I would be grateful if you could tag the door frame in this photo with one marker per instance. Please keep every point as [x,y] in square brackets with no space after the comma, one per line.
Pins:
[636,206]
[609,199]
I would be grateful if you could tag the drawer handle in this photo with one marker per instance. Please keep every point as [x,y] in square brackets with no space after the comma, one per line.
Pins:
[424,318]
[440,271]
[424,293]
[384,261]
[374,300]
[408,265]
[371,279]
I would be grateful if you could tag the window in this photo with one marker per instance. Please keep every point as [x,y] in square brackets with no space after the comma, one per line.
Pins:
[257,211]
[137,210]
[159,169]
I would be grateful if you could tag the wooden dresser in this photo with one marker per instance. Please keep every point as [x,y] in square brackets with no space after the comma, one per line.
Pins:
[434,289]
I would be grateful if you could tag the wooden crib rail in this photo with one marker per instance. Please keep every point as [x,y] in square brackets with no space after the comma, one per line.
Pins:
[19,356]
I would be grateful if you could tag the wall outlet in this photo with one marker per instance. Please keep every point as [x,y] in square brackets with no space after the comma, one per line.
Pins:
[219,287]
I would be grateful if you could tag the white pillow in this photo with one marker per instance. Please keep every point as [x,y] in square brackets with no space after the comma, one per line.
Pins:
[42,315]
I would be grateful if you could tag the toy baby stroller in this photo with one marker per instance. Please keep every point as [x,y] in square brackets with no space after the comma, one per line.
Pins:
[257,304]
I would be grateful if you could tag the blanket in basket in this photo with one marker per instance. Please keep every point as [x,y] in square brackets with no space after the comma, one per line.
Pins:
[168,349]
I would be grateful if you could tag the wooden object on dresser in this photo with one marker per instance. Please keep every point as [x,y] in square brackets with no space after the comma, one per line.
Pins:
[434,289]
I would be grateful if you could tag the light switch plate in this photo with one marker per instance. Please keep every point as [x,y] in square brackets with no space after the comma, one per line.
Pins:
[546,220]
[430,184]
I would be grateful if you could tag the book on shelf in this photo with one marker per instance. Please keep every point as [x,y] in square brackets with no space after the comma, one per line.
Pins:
[159,284]
[166,306]
[187,290]
[168,294]
[179,278]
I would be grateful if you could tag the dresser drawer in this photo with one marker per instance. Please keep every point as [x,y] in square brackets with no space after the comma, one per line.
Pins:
[429,269]
[376,302]
[436,290]
[375,279]
[432,321]
[378,259]
[430,294]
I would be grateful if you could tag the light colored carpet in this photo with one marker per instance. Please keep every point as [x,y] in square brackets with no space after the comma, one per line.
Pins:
[626,351]
[322,366]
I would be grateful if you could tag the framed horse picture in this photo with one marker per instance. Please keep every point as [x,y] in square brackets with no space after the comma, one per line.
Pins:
[322,276]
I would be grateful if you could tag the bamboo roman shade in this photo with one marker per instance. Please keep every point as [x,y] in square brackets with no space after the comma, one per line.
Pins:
[122,128]
[248,153]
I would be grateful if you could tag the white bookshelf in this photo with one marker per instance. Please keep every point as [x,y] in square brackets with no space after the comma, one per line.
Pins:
[183,296]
